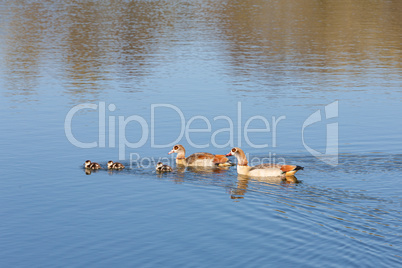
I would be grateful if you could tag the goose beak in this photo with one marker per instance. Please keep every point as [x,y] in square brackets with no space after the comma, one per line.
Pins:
[171,152]
[229,154]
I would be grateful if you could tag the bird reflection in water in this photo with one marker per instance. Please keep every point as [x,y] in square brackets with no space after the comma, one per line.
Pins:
[90,171]
[243,184]
[206,170]
[114,171]
[178,174]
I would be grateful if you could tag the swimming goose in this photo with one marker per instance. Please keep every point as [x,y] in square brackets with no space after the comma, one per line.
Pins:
[263,170]
[199,159]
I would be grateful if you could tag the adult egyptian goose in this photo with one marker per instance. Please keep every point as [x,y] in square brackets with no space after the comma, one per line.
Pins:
[199,159]
[115,165]
[263,170]
[160,167]
[91,165]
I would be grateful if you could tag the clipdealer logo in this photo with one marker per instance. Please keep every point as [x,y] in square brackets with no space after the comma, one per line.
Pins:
[148,130]
[331,150]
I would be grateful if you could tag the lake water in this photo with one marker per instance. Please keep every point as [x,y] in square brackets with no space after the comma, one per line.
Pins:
[321,80]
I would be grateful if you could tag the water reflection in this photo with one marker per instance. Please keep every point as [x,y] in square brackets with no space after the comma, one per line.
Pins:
[85,50]
[259,40]
[268,33]
[115,171]
[23,48]
[243,182]
[207,176]
[123,39]
[90,171]
[206,170]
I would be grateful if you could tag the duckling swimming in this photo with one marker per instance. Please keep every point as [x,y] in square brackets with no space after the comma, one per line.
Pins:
[91,165]
[114,165]
[160,167]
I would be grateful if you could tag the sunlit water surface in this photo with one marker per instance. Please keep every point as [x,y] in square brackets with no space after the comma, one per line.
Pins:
[169,63]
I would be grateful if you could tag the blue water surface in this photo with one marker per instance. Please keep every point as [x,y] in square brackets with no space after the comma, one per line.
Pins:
[204,74]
